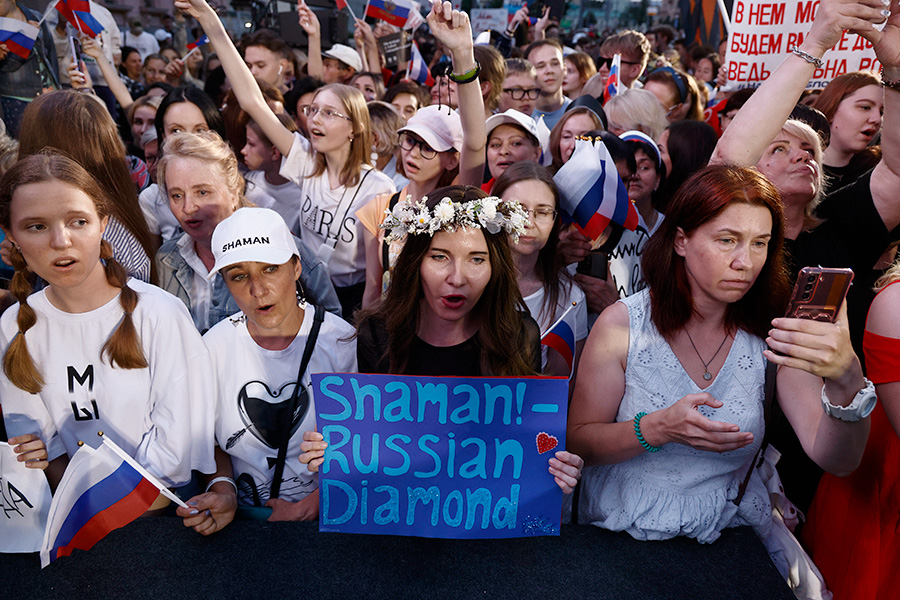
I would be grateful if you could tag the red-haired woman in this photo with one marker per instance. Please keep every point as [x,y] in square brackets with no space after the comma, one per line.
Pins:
[669,398]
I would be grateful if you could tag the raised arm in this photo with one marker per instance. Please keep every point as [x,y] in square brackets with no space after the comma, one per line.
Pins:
[810,354]
[310,24]
[453,30]
[764,114]
[886,178]
[116,86]
[369,48]
[244,85]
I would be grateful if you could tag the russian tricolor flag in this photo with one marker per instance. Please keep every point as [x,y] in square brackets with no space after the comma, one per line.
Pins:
[201,41]
[612,82]
[102,489]
[562,339]
[591,191]
[78,13]
[18,36]
[395,12]
[418,69]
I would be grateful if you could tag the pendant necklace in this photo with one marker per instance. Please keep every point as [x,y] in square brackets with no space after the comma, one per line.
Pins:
[706,374]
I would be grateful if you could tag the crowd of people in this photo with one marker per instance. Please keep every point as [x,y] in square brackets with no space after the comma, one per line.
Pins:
[190,235]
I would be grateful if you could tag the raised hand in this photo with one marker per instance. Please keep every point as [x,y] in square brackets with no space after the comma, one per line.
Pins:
[833,16]
[450,27]
[308,19]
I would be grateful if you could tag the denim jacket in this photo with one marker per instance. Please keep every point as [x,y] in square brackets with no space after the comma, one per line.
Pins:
[176,277]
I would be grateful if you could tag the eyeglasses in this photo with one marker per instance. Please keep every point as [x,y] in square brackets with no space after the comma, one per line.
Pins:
[541,215]
[520,93]
[408,142]
[327,114]
[607,62]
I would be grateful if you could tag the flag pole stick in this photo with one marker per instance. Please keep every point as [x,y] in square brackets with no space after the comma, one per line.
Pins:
[194,49]
[561,317]
[146,474]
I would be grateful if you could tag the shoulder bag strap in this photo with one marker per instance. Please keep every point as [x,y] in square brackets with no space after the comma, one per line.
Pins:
[771,371]
[288,424]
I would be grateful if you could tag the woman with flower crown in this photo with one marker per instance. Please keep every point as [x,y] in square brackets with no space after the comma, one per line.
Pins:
[453,306]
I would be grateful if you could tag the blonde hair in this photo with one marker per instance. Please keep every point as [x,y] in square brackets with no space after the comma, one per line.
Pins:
[893,272]
[801,130]
[354,106]
[123,348]
[637,109]
[386,120]
[208,147]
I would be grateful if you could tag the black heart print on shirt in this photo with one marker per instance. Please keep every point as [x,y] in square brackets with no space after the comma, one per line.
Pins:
[263,414]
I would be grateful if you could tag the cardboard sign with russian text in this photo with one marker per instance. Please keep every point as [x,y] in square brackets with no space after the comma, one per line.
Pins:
[446,457]
[763,33]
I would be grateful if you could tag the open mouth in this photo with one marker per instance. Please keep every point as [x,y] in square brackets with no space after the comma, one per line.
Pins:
[453,301]
[193,223]
[64,262]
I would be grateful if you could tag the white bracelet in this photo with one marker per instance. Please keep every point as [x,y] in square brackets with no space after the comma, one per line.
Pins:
[218,479]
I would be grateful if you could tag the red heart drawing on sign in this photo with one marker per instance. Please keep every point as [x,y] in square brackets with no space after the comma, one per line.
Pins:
[546,442]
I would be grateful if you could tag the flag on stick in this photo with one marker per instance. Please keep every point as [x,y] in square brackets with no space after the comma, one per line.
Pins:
[591,191]
[561,338]
[612,82]
[18,36]
[78,13]
[418,69]
[101,490]
[394,12]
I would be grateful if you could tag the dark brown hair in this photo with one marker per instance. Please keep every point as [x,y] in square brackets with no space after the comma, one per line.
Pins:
[123,347]
[504,352]
[700,199]
[549,263]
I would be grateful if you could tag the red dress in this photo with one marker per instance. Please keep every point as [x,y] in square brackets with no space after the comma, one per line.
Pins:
[853,531]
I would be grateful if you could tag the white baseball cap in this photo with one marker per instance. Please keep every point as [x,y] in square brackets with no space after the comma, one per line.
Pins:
[516,118]
[345,54]
[252,235]
[440,127]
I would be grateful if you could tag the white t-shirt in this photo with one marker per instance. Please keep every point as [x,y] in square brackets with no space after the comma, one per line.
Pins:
[145,43]
[158,214]
[576,318]
[251,381]
[328,220]
[160,415]
[285,199]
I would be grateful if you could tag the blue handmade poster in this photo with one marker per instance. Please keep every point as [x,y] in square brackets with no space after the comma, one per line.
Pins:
[448,457]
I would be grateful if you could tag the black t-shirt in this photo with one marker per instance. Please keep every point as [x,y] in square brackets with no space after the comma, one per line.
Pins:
[854,236]
[461,360]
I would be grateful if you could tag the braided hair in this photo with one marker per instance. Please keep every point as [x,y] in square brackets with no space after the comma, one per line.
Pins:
[123,348]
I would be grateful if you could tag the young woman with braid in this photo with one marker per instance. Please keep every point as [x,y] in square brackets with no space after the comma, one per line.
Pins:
[94,350]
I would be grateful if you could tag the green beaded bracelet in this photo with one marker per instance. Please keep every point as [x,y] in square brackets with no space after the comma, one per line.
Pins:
[637,431]
[467,77]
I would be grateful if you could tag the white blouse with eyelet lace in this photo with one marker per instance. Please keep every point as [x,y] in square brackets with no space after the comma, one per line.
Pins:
[680,490]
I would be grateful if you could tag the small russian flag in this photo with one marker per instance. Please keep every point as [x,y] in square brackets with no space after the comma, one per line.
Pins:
[78,14]
[418,69]
[591,191]
[102,489]
[395,12]
[341,4]
[201,41]
[562,339]
[612,82]
[18,36]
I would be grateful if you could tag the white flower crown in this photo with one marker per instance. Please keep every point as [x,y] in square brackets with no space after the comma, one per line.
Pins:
[491,213]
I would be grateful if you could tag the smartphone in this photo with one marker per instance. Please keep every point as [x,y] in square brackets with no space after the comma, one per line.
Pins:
[819,293]
[595,265]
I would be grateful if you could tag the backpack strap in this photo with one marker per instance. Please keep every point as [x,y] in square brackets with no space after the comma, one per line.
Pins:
[318,318]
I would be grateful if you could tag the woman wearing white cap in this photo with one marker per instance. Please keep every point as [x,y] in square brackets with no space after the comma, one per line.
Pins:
[511,137]
[332,167]
[438,147]
[264,402]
